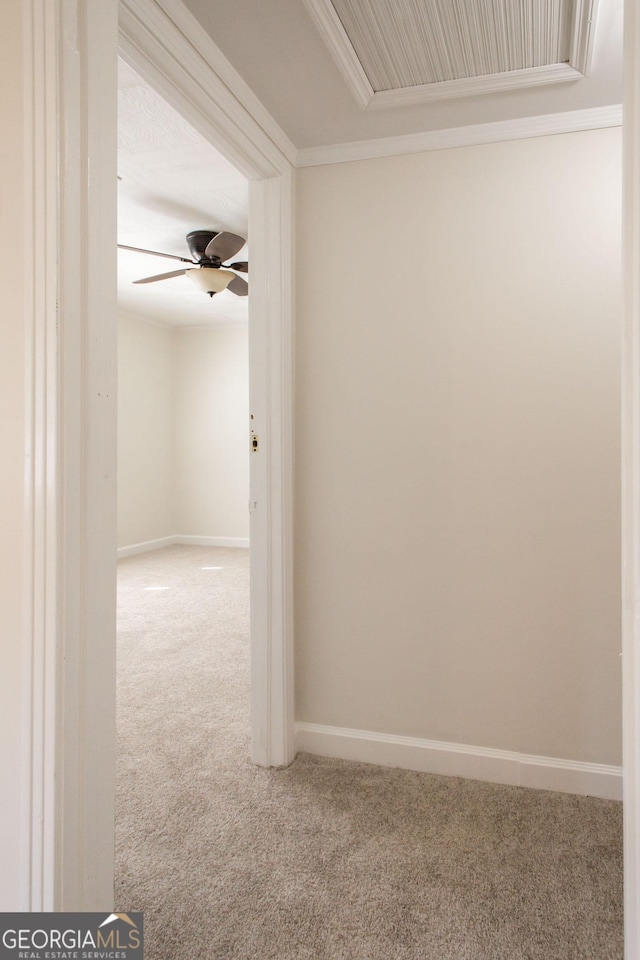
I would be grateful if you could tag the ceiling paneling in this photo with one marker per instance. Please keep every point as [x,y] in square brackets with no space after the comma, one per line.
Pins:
[404,43]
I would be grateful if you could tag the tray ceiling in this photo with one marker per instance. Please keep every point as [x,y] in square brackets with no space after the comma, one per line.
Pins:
[296,57]
[405,51]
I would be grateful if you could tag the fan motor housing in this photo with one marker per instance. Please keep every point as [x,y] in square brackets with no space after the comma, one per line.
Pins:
[197,241]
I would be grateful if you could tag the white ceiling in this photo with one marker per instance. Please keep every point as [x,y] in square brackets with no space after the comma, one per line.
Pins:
[172,182]
[282,53]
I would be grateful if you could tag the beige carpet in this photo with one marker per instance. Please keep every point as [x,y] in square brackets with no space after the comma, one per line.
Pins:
[326,860]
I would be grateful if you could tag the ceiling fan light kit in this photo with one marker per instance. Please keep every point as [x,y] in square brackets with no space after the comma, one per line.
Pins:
[210,279]
[208,251]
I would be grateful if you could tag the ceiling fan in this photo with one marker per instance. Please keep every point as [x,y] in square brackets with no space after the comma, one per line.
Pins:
[208,251]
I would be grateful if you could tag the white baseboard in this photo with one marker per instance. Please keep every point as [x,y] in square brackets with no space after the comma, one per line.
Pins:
[145,545]
[461,760]
[182,540]
[187,540]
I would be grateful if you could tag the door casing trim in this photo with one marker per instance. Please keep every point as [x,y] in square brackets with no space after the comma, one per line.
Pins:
[68,775]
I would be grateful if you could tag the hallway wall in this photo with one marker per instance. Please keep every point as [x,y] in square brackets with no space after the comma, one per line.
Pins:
[458,452]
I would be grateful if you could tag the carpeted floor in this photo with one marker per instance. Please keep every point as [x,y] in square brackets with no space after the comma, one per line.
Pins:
[325,860]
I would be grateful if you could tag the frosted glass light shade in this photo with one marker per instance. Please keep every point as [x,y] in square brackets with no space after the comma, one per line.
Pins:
[210,279]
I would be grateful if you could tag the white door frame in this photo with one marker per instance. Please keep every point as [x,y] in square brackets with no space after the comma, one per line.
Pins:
[68,776]
[68,721]
[631,482]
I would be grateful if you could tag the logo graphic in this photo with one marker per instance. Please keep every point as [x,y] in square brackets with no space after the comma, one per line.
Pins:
[119,916]
[71,936]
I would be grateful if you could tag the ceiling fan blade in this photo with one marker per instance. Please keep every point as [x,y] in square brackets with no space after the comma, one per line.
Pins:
[239,286]
[162,276]
[171,256]
[241,265]
[224,246]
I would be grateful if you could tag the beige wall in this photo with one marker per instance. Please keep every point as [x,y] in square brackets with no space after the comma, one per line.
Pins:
[12,461]
[457,511]
[183,454]
[145,431]
[212,433]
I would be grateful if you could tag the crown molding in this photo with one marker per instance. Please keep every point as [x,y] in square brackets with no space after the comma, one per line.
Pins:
[335,36]
[584,31]
[474,86]
[521,129]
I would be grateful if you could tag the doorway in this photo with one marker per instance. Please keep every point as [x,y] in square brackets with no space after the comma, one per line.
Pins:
[158,52]
[183,391]
[183,478]
[68,787]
